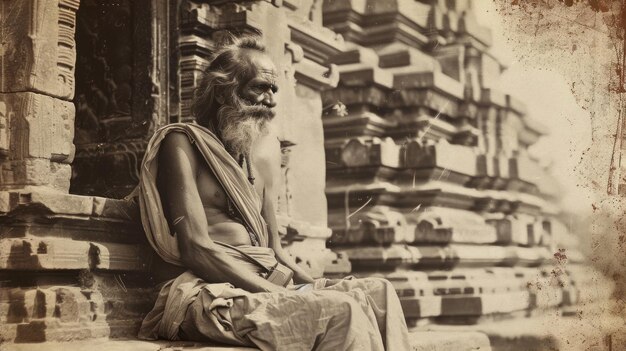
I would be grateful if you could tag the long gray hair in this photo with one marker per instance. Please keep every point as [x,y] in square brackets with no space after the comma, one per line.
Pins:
[227,70]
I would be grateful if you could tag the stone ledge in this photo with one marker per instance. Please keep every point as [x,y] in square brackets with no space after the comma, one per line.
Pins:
[443,341]
[421,341]
[591,330]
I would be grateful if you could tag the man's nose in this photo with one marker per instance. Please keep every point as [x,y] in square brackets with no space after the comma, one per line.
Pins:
[269,100]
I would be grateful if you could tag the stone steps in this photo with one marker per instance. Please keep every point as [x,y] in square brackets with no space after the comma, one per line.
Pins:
[421,341]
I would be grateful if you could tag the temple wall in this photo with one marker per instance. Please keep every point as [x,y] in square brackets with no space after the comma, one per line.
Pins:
[429,180]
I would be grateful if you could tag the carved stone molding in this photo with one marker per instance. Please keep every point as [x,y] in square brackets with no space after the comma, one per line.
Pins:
[40,50]
[123,90]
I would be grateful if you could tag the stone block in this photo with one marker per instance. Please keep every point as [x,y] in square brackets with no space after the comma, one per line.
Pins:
[479,296]
[449,341]
[373,225]
[46,253]
[363,258]
[456,158]
[438,225]
[35,173]
[399,55]
[52,313]
[432,256]
[416,78]
[517,229]
[356,54]
[359,98]
[305,242]
[339,128]
[469,255]
[415,293]
[36,134]
[79,208]
[119,257]
[371,23]
[526,173]
[492,172]
[39,55]
[34,254]
[363,75]
[526,256]
[336,265]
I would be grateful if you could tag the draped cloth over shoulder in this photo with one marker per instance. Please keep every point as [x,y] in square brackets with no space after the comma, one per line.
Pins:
[226,170]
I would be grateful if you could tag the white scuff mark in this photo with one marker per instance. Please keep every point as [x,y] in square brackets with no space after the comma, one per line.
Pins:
[360,208]
[430,122]
[178,220]
[120,282]
[417,208]
[445,172]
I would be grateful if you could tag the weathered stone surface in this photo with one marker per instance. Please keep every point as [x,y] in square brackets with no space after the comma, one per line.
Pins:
[416,294]
[306,243]
[123,90]
[420,341]
[52,313]
[38,53]
[442,225]
[35,173]
[370,23]
[68,205]
[38,132]
[442,341]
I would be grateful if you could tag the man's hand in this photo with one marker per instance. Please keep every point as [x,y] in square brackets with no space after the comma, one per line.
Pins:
[300,276]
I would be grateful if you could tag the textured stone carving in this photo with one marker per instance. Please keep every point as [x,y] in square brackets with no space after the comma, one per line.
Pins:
[39,53]
[38,147]
[104,71]
[54,313]
[122,91]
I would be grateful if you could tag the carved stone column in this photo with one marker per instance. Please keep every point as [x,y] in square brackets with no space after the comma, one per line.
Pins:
[36,89]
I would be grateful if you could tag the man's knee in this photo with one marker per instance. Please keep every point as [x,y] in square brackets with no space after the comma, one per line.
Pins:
[338,303]
[372,284]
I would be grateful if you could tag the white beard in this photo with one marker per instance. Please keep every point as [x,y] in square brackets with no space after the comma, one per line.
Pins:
[239,135]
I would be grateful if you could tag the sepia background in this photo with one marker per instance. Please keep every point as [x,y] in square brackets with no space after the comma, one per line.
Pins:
[468,151]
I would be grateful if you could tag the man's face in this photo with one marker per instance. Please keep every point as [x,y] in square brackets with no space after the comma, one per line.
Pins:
[260,88]
[244,115]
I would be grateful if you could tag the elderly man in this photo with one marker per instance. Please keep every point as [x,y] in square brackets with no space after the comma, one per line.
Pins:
[205,206]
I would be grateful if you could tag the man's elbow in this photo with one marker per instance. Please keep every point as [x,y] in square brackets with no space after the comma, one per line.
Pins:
[194,254]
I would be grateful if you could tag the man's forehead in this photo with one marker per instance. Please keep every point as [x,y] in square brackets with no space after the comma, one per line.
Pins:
[261,63]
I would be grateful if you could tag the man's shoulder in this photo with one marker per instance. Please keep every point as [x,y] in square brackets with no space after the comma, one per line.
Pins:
[188,128]
[181,135]
[177,144]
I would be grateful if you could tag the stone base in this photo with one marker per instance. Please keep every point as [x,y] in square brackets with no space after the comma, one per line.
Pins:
[548,332]
[420,341]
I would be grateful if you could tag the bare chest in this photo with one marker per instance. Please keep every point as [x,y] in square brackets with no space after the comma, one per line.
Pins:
[212,193]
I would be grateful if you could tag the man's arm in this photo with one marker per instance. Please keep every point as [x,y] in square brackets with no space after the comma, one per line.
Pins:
[300,276]
[178,166]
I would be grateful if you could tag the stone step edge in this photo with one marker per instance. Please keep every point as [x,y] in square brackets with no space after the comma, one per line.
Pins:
[420,341]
